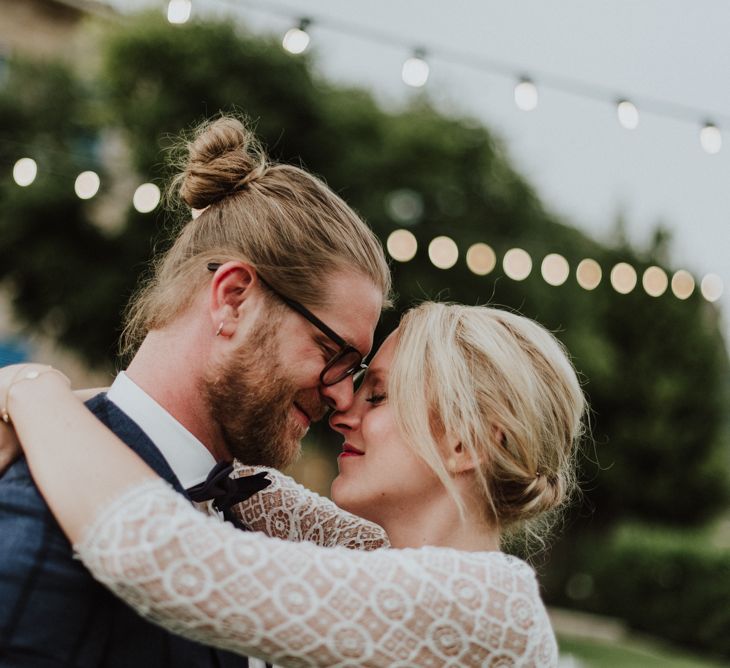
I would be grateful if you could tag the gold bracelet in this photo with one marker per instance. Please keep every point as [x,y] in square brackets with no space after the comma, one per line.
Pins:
[29,375]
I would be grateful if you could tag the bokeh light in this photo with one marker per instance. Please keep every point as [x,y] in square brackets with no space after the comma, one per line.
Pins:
[415,71]
[296,40]
[517,264]
[178,11]
[402,245]
[623,278]
[25,171]
[146,197]
[87,185]
[711,138]
[628,115]
[443,252]
[555,269]
[711,287]
[683,284]
[526,95]
[481,259]
[655,281]
[404,206]
[588,274]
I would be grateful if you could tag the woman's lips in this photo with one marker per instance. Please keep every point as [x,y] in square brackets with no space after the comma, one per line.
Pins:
[350,451]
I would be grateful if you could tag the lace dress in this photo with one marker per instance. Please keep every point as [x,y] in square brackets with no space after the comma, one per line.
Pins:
[312,600]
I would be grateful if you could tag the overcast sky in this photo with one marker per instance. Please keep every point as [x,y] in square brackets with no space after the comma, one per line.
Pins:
[586,167]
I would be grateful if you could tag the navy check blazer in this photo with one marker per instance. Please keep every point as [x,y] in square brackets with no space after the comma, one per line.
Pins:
[52,612]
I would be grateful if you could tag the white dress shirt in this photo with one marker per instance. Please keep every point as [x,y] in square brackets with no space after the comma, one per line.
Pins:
[188,458]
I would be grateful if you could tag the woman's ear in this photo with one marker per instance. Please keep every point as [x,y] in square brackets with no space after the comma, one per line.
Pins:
[459,460]
[231,286]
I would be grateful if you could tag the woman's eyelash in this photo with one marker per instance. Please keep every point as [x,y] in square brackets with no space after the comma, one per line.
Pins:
[376,398]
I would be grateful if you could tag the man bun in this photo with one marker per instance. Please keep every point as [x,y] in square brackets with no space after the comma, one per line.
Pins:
[223,157]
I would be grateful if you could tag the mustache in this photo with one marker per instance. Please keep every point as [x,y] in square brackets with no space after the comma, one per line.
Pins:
[315,408]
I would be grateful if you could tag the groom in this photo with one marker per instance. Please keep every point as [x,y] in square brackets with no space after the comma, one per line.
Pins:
[236,360]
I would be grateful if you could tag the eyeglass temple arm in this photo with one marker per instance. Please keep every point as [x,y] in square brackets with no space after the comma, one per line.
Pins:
[303,311]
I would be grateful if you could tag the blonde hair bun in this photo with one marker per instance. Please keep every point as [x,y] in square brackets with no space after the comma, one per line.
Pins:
[224,156]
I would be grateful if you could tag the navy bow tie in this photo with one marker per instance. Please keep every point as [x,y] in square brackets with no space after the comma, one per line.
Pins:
[226,492]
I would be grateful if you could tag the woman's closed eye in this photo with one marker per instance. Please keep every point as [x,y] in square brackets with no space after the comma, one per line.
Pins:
[376,398]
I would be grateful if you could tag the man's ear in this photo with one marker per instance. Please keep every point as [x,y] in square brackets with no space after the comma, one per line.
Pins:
[233,283]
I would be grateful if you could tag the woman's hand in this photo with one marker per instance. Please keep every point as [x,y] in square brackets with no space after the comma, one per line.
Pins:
[18,373]
[9,446]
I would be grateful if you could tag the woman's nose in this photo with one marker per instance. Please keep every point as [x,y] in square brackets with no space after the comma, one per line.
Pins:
[345,422]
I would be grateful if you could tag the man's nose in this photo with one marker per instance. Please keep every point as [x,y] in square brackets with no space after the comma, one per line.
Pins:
[340,396]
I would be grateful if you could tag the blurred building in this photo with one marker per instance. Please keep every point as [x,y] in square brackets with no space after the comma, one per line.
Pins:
[45,27]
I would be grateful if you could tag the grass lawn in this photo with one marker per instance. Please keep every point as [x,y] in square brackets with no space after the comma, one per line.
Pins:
[582,653]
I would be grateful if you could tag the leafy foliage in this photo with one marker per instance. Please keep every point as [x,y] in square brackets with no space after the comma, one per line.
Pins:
[668,583]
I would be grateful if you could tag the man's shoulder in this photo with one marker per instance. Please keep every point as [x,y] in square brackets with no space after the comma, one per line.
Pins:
[18,476]
[107,412]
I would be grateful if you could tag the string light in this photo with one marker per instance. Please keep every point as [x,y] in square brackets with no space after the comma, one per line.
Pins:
[655,281]
[710,138]
[25,171]
[517,264]
[404,206]
[711,287]
[87,184]
[683,285]
[296,40]
[526,95]
[402,245]
[628,114]
[443,252]
[146,198]
[623,278]
[178,11]
[588,274]
[555,269]
[456,56]
[481,259]
[415,69]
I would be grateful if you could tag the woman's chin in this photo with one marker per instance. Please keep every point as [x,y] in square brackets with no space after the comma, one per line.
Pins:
[347,499]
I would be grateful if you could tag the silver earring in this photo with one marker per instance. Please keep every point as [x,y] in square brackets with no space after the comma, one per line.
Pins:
[219,330]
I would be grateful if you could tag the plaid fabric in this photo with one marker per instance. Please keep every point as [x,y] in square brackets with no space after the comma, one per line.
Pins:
[52,613]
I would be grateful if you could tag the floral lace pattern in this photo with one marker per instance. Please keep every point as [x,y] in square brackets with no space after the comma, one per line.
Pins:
[299,604]
[287,510]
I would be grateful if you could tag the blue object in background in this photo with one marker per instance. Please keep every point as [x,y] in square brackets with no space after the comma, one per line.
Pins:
[13,351]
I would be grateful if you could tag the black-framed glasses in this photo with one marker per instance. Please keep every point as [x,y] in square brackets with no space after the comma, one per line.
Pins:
[348,359]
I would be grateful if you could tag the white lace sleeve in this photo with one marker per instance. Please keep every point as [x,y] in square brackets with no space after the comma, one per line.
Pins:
[287,510]
[298,604]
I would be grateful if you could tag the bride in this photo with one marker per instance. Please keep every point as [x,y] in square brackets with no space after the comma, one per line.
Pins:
[462,432]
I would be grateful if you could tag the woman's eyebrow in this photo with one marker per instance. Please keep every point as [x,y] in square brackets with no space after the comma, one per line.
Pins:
[374,373]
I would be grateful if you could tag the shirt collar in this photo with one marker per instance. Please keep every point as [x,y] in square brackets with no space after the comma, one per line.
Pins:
[188,458]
